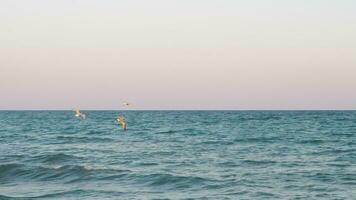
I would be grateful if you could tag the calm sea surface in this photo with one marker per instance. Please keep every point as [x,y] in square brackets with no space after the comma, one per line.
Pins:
[178,155]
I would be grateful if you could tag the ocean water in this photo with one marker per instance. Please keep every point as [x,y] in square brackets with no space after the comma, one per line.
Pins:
[178,155]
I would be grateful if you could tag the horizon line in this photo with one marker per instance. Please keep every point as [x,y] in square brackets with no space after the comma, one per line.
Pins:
[180,109]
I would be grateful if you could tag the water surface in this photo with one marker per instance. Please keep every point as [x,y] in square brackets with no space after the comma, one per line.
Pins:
[178,155]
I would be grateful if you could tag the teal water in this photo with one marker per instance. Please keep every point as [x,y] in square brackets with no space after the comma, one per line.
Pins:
[178,155]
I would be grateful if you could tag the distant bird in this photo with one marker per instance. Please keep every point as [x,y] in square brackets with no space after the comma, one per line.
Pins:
[125,103]
[78,113]
[121,120]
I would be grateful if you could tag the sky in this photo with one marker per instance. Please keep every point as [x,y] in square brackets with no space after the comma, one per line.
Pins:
[178,54]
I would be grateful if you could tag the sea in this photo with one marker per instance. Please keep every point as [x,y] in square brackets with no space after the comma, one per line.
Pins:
[178,155]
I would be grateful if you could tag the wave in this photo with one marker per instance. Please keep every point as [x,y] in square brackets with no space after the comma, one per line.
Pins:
[69,193]
[311,141]
[261,118]
[171,181]
[10,173]
[7,168]
[166,132]
[257,140]
[76,139]
[191,132]
[4,197]
[258,162]
[54,158]
[228,164]
[217,142]
[67,173]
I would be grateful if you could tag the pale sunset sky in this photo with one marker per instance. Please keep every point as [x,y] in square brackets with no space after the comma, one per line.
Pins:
[178,54]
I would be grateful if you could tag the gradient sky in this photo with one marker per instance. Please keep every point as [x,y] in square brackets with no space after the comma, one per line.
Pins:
[178,54]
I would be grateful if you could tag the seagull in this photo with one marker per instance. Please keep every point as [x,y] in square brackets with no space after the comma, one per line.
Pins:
[121,120]
[78,113]
[125,103]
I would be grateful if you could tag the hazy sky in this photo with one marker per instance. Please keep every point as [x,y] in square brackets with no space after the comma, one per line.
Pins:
[178,54]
